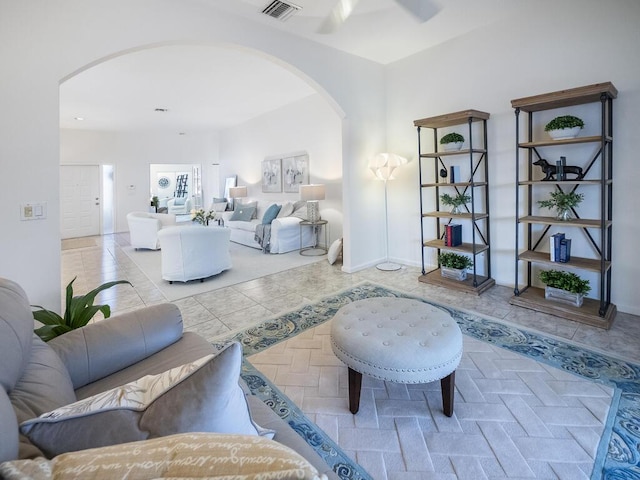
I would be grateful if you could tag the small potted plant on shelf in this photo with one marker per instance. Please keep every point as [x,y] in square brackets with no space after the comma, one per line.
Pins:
[452,141]
[564,287]
[455,202]
[563,203]
[454,266]
[565,126]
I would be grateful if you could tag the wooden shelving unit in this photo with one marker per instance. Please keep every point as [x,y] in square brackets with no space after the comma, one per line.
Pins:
[529,249]
[476,218]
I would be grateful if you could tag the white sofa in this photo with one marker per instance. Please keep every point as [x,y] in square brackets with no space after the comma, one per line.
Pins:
[144,228]
[285,232]
[178,209]
[194,252]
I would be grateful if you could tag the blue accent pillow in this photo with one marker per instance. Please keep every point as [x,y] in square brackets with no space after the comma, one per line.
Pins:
[243,214]
[180,201]
[271,213]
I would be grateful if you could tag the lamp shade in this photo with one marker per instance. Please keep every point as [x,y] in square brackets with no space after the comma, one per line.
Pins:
[312,192]
[384,164]
[237,192]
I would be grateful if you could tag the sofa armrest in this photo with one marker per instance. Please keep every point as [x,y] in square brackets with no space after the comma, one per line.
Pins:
[102,348]
[285,222]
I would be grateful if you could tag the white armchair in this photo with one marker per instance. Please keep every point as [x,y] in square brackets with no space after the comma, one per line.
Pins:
[144,228]
[179,208]
[193,252]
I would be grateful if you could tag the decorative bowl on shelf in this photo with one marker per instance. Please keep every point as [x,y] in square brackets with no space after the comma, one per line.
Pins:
[564,133]
[564,126]
[452,147]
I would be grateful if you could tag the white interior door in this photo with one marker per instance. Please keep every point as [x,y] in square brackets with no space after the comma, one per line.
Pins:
[79,200]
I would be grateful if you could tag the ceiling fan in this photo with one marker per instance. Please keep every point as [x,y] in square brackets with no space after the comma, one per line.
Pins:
[423,10]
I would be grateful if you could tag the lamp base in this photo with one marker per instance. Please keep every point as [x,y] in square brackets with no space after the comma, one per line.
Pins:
[313,211]
[388,266]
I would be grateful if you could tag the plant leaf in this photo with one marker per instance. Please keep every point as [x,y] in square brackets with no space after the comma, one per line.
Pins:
[79,303]
[48,332]
[88,313]
[68,297]
[89,297]
[47,317]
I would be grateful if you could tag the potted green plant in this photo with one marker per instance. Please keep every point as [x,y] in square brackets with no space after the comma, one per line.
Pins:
[455,201]
[563,202]
[454,266]
[565,126]
[452,141]
[79,310]
[564,287]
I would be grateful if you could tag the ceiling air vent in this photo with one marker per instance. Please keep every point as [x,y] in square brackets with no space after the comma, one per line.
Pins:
[280,10]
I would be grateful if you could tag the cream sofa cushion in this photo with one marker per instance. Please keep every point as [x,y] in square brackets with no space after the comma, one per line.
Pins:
[182,456]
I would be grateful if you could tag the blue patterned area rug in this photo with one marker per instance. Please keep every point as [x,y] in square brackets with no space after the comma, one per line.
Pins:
[619,450]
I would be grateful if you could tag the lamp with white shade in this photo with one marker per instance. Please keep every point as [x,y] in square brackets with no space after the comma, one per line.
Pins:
[312,193]
[383,166]
[237,192]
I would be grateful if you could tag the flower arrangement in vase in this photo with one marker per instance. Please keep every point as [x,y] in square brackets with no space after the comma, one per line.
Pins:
[456,201]
[202,216]
[563,203]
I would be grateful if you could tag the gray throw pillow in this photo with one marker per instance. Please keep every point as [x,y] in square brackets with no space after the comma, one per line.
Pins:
[286,210]
[180,201]
[250,205]
[243,214]
[300,210]
[202,396]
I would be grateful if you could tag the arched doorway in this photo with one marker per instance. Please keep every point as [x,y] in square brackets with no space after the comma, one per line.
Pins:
[169,104]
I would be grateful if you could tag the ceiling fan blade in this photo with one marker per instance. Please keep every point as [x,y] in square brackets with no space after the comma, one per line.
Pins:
[423,10]
[340,12]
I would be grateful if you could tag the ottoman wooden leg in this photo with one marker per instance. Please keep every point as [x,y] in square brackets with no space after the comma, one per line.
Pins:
[355,384]
[447,385]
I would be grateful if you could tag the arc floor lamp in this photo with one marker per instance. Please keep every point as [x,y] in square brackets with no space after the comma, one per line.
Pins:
[383,165]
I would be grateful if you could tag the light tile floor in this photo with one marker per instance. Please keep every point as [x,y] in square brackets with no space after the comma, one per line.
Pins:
[218,313]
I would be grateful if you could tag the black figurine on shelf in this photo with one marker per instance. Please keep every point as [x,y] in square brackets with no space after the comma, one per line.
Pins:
[551,171]
[443,173]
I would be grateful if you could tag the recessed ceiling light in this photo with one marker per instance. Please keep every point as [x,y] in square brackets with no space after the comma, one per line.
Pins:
[182,133]
[161,109]
[78,118]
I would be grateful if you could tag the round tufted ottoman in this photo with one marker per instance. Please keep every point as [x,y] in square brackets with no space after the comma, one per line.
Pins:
[397,340]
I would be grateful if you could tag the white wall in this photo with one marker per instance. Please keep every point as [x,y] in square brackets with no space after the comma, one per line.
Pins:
[131,153]
[308,126]
[43,42]
[540,51]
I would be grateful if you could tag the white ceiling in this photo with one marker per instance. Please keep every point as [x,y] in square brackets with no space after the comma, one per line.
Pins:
[210,88]
[202,88]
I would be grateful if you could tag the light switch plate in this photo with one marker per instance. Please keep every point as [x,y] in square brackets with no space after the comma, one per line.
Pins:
[33,211]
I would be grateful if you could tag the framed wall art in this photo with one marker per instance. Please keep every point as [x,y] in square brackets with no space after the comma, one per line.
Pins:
[271,176]
[295,172]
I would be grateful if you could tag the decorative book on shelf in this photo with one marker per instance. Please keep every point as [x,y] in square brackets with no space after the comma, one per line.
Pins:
[453,235]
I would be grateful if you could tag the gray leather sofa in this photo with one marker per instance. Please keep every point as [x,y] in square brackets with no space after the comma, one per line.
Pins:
[38,377]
